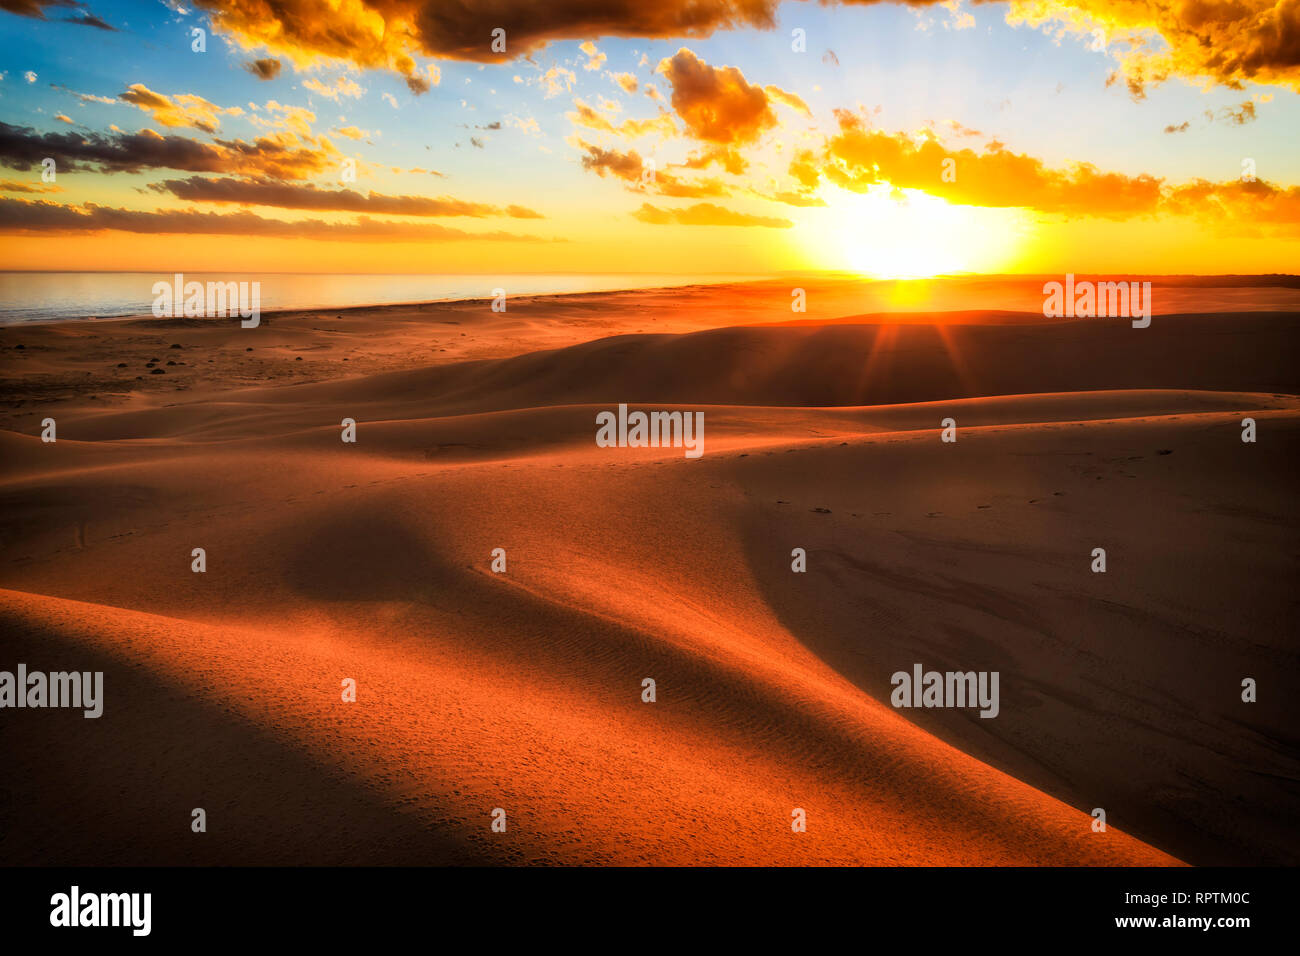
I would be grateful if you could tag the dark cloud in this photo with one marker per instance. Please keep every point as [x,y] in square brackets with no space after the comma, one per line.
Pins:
[23,148]
[1229,42]
[305,196]
[631,169]
[88,19]
[40,216]
[267,68]
[36,10]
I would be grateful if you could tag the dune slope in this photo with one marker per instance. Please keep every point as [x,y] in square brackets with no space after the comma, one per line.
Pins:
[523,690]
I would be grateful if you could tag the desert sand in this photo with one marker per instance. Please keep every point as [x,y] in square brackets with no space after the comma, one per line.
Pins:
[522,690]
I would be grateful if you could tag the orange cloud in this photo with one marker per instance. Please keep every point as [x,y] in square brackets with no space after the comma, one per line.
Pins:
[584,115]
[1221,41]
[857,158]
[342,86]
[183,109]
[1246,205]
[717,104]
[705,214]
[352,132]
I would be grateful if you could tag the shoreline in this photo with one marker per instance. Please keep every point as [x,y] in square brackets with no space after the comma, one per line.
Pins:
[414,303]
[1275,281]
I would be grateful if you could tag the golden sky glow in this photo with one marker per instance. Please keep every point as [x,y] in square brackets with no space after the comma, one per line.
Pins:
[708,137]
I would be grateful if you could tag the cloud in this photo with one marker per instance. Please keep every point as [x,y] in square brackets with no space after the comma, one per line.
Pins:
[183,109]
[351,132]
[297,120]
[858,157]
[88,97]
[88,19]
[12,186]
[276,157]
[595,59]
[789,99]
[41,216]
[1221,41]
[584,115]
[791,198]
[1180,128]
[1228,42]
[266,68]
[64,118]
[632,170]
[557,80]
[626,80]
[527,124]
[305,196]
[33,8]
[419,85]
[1239,115]
[36,10]
[717,104]
[1256,206]
[705,214]
[342,86]
[390,33]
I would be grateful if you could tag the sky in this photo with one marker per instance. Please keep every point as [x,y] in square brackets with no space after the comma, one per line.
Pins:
[651,136]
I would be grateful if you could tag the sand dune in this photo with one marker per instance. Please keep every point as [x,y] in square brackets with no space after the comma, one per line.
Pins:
[522,690]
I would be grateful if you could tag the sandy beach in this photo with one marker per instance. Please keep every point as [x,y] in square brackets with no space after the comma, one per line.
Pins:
[522,690]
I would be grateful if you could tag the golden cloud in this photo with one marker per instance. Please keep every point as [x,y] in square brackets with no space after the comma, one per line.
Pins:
[717,104]
[1221,41]
[857,158]
[1227,42]
[182,109]
[705,214]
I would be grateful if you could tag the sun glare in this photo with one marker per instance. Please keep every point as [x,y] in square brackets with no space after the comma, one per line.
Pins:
[907,234]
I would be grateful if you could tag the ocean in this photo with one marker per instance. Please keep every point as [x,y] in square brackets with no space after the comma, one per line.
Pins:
[54,296]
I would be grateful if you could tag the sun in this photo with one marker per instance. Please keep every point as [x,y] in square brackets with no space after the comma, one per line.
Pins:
[889,233]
